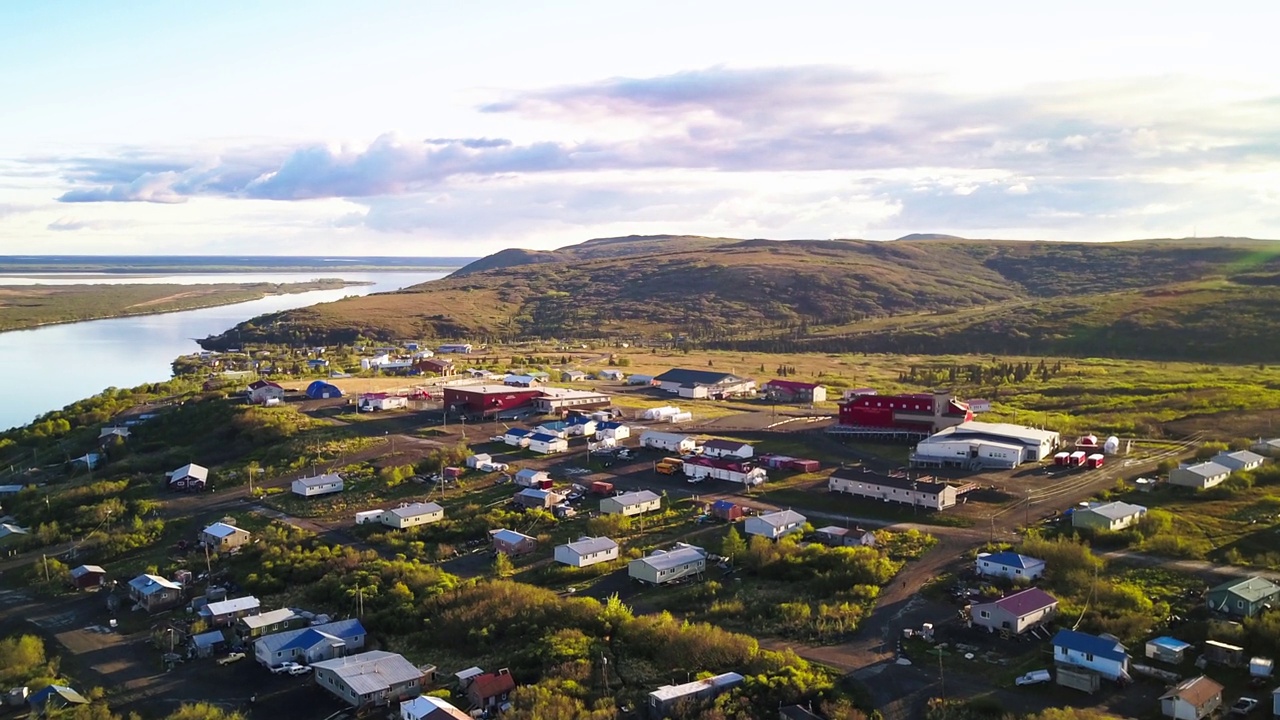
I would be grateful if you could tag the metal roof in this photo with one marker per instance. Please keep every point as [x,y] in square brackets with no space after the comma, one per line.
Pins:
[698,377]
[340,629]
[268,618]
[221,530]
[147,584]
[1116,510]
[1091,644]
[426,706]
[509,536]
[372,671]
[86,569]
[208,639]
[1021,433]
[665,559]
[518,432]
[1026,602]
[416,509]
[636,497]
[675,692]
[722,444]
[1012,559]
[190,470]
[1169,643]
[531,473]
[1253,589]
[318,480]
[590,545]
[1243,457]
[783,518]
[929,487]
[1195,691]
[1208,469]
[234,605]
[544,437]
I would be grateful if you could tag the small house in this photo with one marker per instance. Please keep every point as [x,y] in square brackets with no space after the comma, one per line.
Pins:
[547,444]
[538,498]
[319,485]
[475,461]
[54,698]
[614,431]
[370,679]
[1267,448]
[435,366]
[426,707]
[456,348]
[85,577]
[775,524]
[517,437]
[669,698]
[224,537]
[632,503]
[1010,565]
[11,534]
[489,690]
[251,627]
[1103,655]
[1192,699]
[581,426]
[719,447]
[307,645]
[154,593]
[525,381]
[1239,460]
[1200,476]
[666,566]
[108,435]
[188,477]
[512,543]
[532,478]
[412,515]
[265,392]
[207,644]
[794,391]
[572,376]
[725,510]
[845,537]
[226,612]
[587,551]
[610,374]
[638,379]
[1242,597]
[1111,516]
[378,402]
[1016,613]
[1167,650]
[670,442]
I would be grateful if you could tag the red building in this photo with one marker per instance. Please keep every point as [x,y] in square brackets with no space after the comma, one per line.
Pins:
[919,412]
[795,391]
[485,401]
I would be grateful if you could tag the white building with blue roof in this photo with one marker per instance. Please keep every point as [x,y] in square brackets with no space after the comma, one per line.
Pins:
[1009,565]
[1103,655]
[312,644]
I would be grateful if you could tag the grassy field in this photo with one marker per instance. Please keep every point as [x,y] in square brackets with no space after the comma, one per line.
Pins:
[25,306]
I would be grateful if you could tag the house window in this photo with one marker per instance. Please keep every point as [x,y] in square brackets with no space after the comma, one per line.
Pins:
[1017,572]
[1088,657]
[984,614]
[1063,651]
[1239,603]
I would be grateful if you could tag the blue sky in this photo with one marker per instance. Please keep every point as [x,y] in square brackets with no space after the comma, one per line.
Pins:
[462,128]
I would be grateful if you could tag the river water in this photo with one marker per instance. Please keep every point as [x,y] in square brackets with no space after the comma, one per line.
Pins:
[47,368]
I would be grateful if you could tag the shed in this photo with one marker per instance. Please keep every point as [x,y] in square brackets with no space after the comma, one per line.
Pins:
[725,510]
[1261,667]
[1192,699]
[1167,650]
[1223,653]
[320,390]
[206,644]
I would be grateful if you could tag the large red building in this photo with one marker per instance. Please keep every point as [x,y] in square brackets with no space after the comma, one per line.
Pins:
[485,401]
[918,412]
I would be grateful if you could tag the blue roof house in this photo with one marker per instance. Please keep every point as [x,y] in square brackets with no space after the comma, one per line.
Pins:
[311,644]
[1009,565]
[1105,656]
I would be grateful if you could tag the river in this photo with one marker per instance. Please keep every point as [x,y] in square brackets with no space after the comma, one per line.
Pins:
[47,368]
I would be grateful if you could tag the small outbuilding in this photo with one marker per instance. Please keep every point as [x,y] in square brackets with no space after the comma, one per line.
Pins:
[321,390]
[86,577]
[1167,650]
[512,543]
[1192,699]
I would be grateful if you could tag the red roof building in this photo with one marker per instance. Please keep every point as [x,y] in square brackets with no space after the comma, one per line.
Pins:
[925,413]
[490,689]
[792,391]
[486,401]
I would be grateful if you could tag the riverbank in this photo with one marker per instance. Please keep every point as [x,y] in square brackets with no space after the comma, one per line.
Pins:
[23,307]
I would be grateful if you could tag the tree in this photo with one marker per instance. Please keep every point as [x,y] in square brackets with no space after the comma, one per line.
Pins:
[502,566]
[203,711]
[733,546]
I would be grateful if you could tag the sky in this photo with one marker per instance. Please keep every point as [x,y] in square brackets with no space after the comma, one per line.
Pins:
[434,128]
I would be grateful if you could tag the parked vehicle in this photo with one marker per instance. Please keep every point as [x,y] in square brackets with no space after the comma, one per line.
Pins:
[286,667]
[230,658]
[1244,706]
[299,669]
[1035,677]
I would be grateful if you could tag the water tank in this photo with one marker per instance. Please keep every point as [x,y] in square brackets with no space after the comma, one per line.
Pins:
[1111,446]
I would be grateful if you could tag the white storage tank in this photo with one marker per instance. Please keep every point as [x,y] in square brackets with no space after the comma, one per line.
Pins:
[1111,446]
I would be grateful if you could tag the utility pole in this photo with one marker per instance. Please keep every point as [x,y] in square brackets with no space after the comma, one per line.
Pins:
[208,565]
[46,567]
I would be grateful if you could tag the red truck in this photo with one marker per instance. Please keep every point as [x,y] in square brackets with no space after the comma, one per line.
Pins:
[601,488]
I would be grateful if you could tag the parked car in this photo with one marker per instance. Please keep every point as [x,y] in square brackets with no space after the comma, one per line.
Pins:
[230,658]
[299,669]
[1035,677]
[1244,706]
[287,667]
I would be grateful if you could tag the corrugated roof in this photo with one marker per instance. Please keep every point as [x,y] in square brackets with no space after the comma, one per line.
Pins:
[416,509]
[1092,644]
[666,559]
[86,569]
[1026,602]
[1196,691]
[1208,469]
[234,605]
[1117,510]
[208,639]
[783,518]
[342,629]
[318,480]
[637,497]
[590,545]
[930,487]
[372,671]
[490,685]
[1012,559]
[674,692]
[509,536]
[426,707]
[726,445]
[1169,643]
[699,377]
[147,584]
[268,618]
[190,470]
[221,530]
[1252,589]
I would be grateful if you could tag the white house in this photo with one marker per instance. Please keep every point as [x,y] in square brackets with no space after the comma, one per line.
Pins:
[587,551]
[1239,460]
[671,442]
[775,524]
[531,478]
[188,477]
[837,536]
[459,348]
[1192,699]
[614,431]
[1108,516]
[262,392]
[1200,475]
[632,503]
[1009,565]
[224,536]
[547,444]
[319,485]
[1105,656]
[412,515]
[1269,448]
[517,437]
[922,492]
[374,402]
[665,566]
[609,374]
[475,461]
[426,707]
[1015,613]
[727,448]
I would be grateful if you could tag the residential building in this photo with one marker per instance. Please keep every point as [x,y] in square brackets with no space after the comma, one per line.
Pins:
[793,391]
[531,478]
[671,442]
[188,477]
[377,402]
[725,510]
[1243,597]
[704,383]
[369,679]
[727,448]
[224,537]
[665,566]
[775,524]
[1015,613]
[1201,476]
[1167,650]
[85,577]
[547,444]
[154,593]
[412,515]
[109,434]
[206,644]
[455,348]
[318,485]
[612,431]
[510,542]
[632,503]
[226,612]
[1111,516]
[920,414]
[11,534]
[489,690]
[668,698]
[1192,699]
[517,437]
[263,392]
[581,426]
[521,381]
[252,627]
[426,707]
[923,492]
[310,644]
[572,376]
[1009,565]
[1268,448]
[587,551]
[610,374]
[1103,655]
[697,468]
[538,498]
[845,537]
[1239,460]
[435,366]
[54,698]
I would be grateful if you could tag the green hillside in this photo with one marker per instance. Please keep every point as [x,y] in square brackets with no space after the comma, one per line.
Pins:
[1202,299]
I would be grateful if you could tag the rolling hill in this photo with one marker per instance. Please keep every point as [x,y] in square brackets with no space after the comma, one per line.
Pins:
[1204,299]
